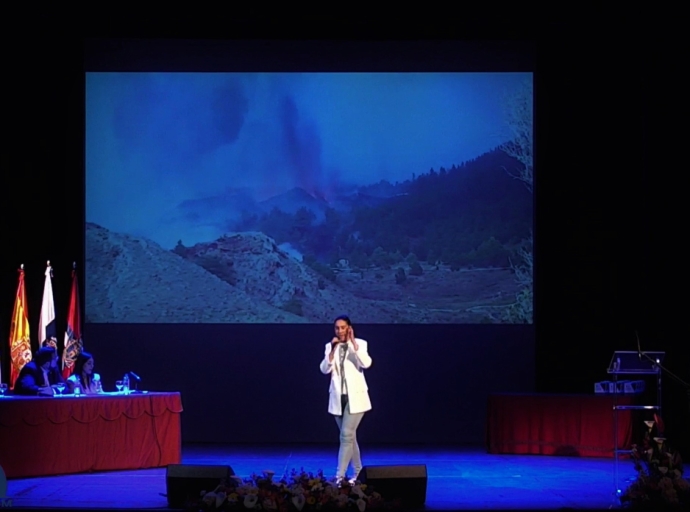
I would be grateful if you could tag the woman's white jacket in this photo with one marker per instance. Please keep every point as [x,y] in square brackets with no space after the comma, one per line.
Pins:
[354,365]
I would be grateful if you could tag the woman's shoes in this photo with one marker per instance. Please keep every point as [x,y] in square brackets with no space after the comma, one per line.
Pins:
[340,480]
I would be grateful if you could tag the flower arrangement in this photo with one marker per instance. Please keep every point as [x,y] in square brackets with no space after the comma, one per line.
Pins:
[660,483]
[298,491]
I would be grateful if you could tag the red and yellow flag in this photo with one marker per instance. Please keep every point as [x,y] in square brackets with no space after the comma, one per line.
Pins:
[73,341]
[20,343]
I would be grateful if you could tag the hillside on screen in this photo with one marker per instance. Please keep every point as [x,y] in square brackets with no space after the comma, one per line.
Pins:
[292,198]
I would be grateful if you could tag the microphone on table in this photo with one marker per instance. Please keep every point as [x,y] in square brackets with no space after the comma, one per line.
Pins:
[136,378]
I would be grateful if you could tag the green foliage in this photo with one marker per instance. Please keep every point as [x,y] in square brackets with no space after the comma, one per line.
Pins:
[491,253]
[358,258]
[300,226]
[277,225]
[382,259]
[431,256]
[400,276]
[180,249]
[521,311]
[379,257]
[309,259]
[461,216]
[416,269]
[323,270]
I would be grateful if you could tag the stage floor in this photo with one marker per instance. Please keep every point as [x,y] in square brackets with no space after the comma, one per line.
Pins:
[459,478]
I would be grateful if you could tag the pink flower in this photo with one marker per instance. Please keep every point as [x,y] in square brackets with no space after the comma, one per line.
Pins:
[670,495]
[666,483]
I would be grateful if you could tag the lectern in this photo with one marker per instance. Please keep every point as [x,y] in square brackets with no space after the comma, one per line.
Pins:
[628,362]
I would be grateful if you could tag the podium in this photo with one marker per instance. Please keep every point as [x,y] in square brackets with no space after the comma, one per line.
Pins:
[629,362]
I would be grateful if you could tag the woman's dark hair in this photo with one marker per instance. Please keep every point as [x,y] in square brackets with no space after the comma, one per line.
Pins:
[345,318]
[44,355]
[82,358]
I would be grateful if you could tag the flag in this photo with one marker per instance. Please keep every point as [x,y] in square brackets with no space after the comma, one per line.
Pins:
[73,341]
[20,342]
[47,333]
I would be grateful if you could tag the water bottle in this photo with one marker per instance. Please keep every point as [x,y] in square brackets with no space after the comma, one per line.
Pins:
[125,380]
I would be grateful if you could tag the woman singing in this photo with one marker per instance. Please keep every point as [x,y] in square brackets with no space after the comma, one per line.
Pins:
[346,358]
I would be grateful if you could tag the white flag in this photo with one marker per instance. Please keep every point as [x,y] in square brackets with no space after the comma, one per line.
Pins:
[47,332]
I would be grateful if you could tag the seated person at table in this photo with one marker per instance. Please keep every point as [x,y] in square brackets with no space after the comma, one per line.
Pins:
[83,376]
[38,376]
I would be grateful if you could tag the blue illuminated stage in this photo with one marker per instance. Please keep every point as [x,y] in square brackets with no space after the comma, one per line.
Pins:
[459,478]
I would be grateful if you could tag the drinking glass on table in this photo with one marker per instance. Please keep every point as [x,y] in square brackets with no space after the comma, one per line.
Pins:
[119,384]
[3,389]
[60,386]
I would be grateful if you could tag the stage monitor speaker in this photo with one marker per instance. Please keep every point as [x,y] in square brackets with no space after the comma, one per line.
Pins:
[186,481]
[404,483]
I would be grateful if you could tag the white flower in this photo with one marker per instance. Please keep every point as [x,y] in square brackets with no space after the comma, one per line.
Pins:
[250,500]
[361,505]
[209,498]
[299,501]
[358,491]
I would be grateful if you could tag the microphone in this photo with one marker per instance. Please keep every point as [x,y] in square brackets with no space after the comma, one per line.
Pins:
[135,376]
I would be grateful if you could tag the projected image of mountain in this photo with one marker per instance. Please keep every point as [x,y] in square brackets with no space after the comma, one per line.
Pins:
[134,280]
[398,198]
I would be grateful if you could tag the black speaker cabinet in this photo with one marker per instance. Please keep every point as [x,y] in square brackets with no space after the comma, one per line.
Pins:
[186,481]
[404,483]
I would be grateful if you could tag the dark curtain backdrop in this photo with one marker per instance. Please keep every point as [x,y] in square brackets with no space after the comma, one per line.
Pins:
[608,245]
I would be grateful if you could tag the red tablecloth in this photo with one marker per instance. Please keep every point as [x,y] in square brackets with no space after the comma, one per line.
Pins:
[557,424]
[53,436]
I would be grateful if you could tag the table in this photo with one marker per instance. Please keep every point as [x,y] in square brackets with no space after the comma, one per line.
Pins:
[554,424]
[59,435]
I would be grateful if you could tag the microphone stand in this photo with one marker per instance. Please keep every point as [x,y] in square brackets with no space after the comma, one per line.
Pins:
[669,373]
[136,380]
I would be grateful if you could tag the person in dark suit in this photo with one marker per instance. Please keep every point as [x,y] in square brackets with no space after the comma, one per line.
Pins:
[38,376]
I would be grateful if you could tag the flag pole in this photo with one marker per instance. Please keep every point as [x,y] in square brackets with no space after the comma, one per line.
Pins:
[20,340]
[73,344]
